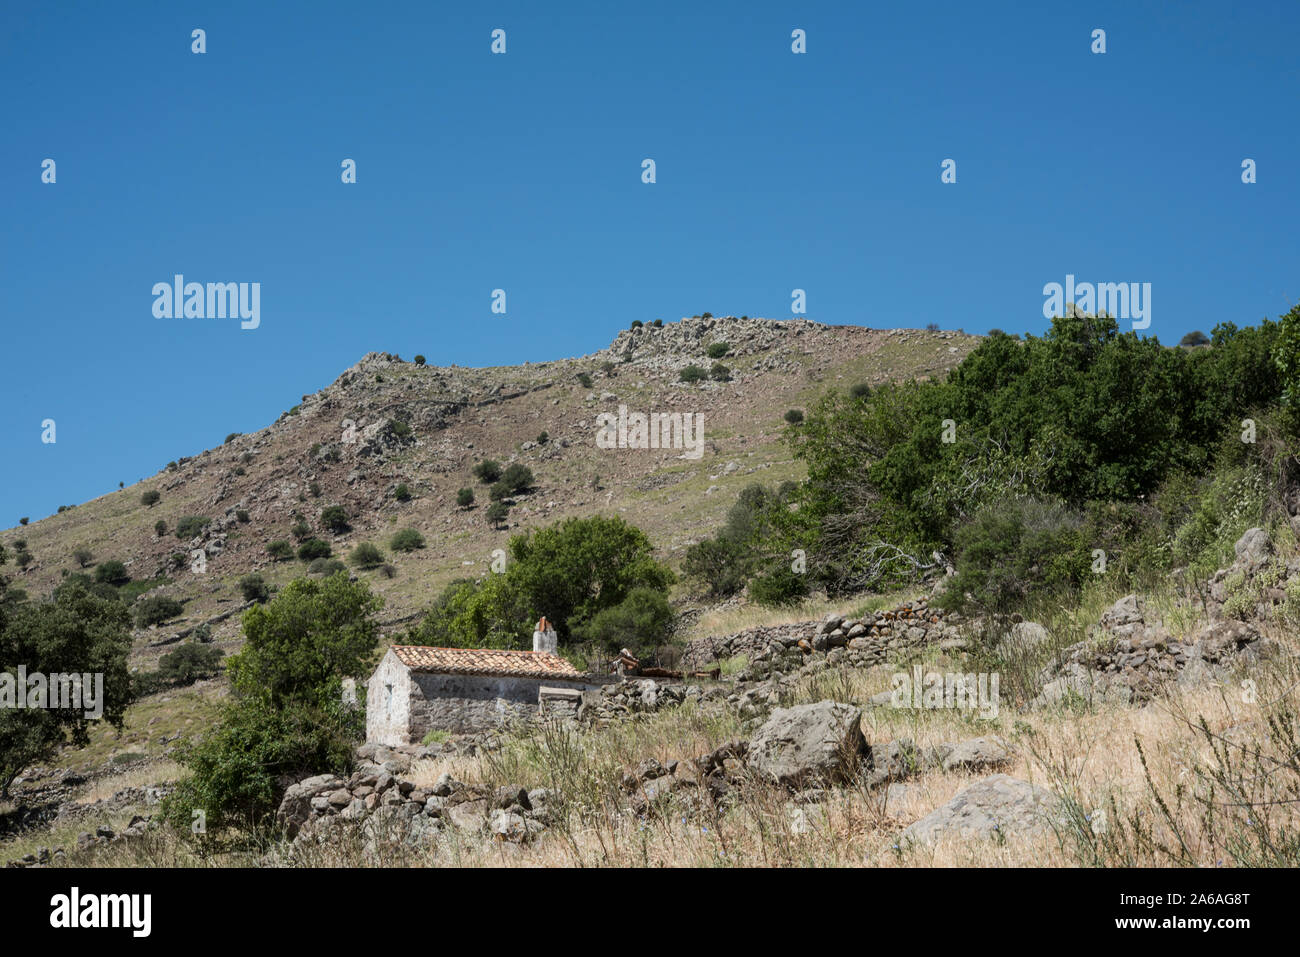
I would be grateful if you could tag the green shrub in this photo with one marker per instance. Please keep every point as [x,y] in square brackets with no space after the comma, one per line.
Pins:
[720,373]
[717,350]
[82,556]
[584,379]
[543,438]
[280,550]
[300,530]
[313,548]
[637,323]
[402,493]
[419,360]
[155,610]
[242,516]
[488,471]
[190,526]
[150,498]
[160,528]
[111,572]
[465,497]
[335,518]
[254,587]
[366,555]
[781,586]
[24,520]
[861,391]
[230,438]
[407,540]
[325,567]
[640,622]
[693,374]
[794,416]
[497,512]
[189,663]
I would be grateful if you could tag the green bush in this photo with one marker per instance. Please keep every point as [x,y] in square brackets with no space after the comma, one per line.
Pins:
[150,498]
[402,493]
[300,530]
[794,416]
[83,556]
[314,548]
[190,526]
[367,556]
[160,528]
[419,360]
[407,540]
[497,512]
[242,516]
[189,663]
[465,497]
[781,586]
[111,572]
[280,550]
[325,567]
[693,374]
[335,518]
[254,587]
[1011,548]
[717,350]
[720,373]
[155,610]
[488,471]
[584,380]
[640,622]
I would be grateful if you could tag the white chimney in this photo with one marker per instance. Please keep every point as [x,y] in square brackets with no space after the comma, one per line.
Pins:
[545,640]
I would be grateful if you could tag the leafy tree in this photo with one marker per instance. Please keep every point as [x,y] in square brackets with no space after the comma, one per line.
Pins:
[497,512]
[280,550]
[1194,339]
[488,471]
[74,632]
[83,556]
[150,498]
[301,644]
[335,518]
[160,528]
[465,497]
[325,566]
[419,360]
[639,622]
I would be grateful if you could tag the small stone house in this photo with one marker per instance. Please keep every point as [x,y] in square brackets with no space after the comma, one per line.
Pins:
[417,689]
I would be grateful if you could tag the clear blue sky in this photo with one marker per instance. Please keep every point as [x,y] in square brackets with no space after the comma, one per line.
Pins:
[523,172]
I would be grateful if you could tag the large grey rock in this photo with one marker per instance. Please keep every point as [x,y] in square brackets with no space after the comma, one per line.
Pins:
[997,804]
[296,805]
[1253,547]
[808,743]
[1023,638]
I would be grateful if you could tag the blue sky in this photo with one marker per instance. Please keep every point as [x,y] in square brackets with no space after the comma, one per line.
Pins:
[522,172]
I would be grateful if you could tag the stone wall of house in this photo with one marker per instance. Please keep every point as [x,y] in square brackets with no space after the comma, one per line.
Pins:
[465,704]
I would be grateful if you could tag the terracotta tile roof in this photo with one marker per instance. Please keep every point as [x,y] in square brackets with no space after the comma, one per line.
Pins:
[485,661]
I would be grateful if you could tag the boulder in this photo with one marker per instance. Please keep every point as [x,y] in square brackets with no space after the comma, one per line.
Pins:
[809,743]
[995,805]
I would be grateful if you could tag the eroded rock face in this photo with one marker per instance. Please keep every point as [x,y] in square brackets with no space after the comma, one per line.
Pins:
[809,742]
[996,805]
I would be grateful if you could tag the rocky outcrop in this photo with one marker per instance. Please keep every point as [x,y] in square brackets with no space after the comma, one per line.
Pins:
[1130,656]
